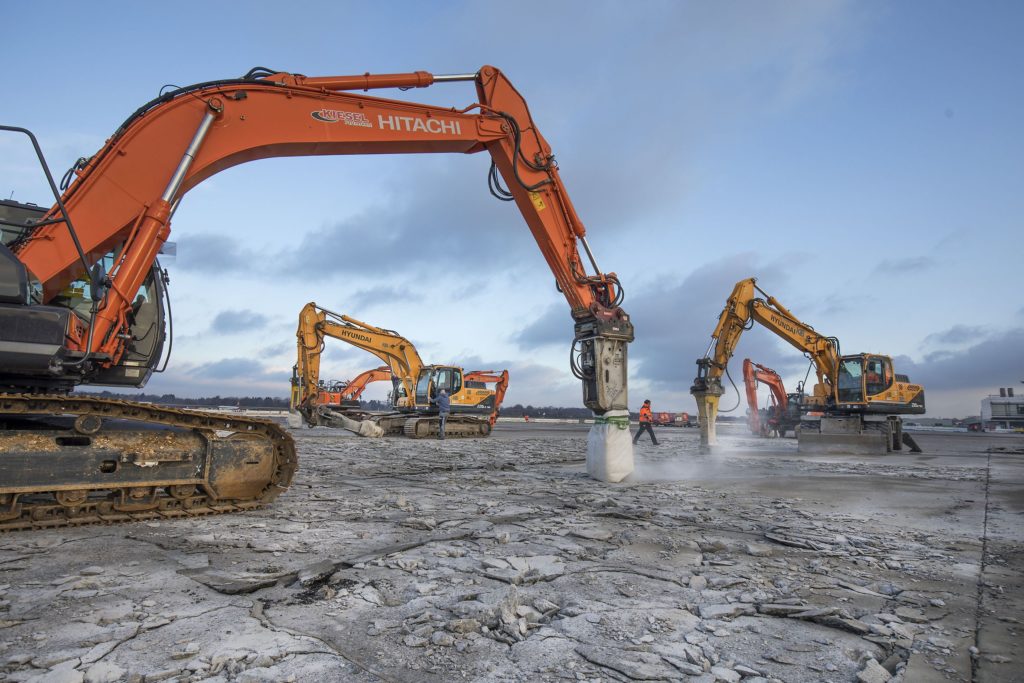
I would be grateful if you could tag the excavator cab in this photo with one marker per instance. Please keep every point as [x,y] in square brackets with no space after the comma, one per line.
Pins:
[862,377]
[432,379]
[32,337]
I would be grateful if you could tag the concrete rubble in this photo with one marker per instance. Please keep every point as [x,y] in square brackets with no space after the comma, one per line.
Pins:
[500,560]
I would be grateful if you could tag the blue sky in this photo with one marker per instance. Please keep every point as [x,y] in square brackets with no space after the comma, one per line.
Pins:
[864,160]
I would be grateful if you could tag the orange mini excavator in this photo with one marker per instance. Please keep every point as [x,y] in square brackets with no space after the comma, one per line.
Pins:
[82,296]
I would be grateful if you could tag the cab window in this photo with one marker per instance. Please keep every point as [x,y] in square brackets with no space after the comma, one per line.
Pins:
[423,387]
[442,380]
[849,385]
[877,375]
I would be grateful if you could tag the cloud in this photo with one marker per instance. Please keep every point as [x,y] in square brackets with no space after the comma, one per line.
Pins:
[381,295]
[958,334]
[894,267]
[230,322]
[215,254]
[232,376]
[996,361]
[553,327]
[436,222]
[277,350]
[230,369]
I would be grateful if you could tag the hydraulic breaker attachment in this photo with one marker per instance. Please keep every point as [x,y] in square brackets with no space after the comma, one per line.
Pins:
[707,392]
[600,361]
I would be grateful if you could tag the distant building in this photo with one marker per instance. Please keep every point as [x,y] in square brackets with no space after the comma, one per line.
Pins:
[1004,411]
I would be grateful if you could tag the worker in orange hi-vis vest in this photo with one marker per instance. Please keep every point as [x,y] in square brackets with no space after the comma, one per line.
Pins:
[646,423]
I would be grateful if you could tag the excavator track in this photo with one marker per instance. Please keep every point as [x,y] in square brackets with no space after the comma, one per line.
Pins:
[75,460]
[457,427]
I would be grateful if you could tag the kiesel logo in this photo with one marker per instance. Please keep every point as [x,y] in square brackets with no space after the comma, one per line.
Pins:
[349,118]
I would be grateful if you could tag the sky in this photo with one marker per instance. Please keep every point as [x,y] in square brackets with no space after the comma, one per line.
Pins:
[863,160]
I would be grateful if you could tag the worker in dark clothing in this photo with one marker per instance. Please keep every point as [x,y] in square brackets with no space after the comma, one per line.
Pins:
[444,406]
[646,423]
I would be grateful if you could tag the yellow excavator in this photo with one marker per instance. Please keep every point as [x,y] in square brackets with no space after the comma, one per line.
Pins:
[474,407]
[855,404]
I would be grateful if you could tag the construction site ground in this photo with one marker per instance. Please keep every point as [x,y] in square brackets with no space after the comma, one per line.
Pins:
[501,560]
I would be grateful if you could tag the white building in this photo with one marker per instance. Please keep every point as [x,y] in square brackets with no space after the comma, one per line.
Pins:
[1003,411]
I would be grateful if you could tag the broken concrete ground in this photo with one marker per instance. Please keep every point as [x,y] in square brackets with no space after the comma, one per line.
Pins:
[500,560]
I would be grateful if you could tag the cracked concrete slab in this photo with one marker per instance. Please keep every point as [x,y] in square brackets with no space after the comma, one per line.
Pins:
[500,560]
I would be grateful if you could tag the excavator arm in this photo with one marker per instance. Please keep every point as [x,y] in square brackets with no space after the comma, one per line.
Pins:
[123,197]
[500,382]
[752,374]
[355,388]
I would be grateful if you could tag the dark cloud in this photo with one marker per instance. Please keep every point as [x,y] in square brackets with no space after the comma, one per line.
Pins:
[553,327]
[214,254]
[836,304]
[439,223]
[230,322]
[904,266]
[958,334]
[994,362]
[277,350]
[468,289]
[229,369]
[224,377]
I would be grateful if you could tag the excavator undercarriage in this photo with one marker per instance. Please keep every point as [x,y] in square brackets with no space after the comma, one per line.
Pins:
[73,460]
[364,423]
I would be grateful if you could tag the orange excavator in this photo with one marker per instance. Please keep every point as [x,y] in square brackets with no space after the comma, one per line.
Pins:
[82,293]
[485,377]
[347,393]
[783,415]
